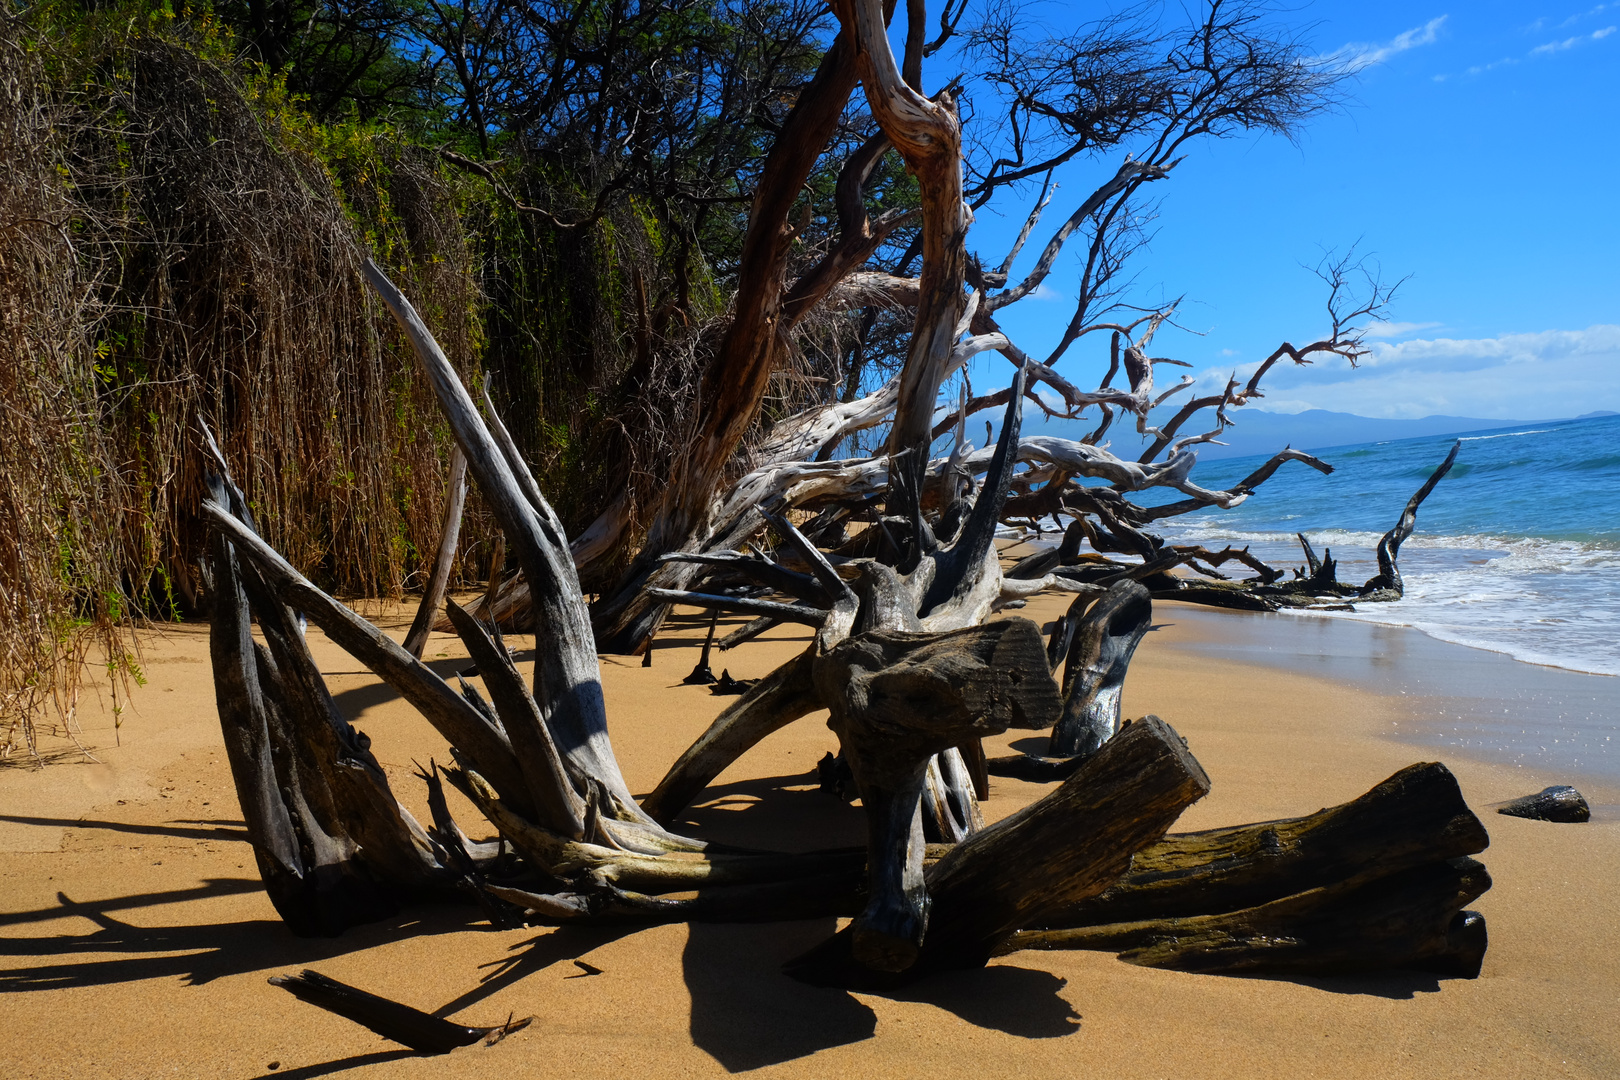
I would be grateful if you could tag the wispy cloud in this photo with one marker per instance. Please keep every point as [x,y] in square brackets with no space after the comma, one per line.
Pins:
[1358,55]
[1570,42]
[1480,69]
[1587,14]
[1043,291]
[1526,376]
[1398,329]
[1543,22]
[1551,48]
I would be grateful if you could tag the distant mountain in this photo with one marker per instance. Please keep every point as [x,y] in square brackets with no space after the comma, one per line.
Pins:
[1595,415]
[1258,432]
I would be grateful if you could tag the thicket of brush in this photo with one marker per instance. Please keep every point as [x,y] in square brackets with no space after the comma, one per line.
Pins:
[180,243]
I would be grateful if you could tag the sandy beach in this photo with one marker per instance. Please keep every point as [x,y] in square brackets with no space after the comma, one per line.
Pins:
[136,940]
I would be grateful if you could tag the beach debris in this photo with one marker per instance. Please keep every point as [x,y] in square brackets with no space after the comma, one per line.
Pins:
[1105,639]
[443,560]
[1558,803]
[422,1032]
[904,658]
[726,686]
[701,674]
[1316,585]
[1379,882]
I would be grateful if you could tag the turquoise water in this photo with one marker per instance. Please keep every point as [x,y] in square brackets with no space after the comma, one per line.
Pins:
[1516,551]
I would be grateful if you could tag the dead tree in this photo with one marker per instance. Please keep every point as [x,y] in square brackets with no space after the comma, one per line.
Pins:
[1118,86]
[908,682]
[904,656]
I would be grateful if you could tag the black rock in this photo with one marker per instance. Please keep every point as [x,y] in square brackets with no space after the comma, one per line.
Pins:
[1560,803]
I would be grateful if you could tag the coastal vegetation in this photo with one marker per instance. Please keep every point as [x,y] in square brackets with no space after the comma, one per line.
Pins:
[659,236]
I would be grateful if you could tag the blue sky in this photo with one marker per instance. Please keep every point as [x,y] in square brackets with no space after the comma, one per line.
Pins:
[1479,156]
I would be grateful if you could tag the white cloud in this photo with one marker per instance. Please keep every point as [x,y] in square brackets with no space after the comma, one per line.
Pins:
[1043,291]
[1358,55]
[1525,376]
[1398,329]
[1507,349]
[1570,42]
[1600,9]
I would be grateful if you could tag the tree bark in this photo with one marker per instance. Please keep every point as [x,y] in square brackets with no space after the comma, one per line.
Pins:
[1094,672]
[1068,846]
[439,580]
[734,383]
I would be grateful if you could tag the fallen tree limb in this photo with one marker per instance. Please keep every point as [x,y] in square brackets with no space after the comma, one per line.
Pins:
[1377,882]
[423,1032]
[1066,847]
[1412,918]
[439,580]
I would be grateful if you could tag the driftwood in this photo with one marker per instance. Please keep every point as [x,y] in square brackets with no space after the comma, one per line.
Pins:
[1317,586]
[903,660]
[439,580]
[1413,918]
[423,1032]
[1094,670]
[1560,803]
[1094,643]
[897,701]
[1070,845]
[1380,881]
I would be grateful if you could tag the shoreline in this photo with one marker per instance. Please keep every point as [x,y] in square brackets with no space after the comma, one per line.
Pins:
[140,925]
[1553,721]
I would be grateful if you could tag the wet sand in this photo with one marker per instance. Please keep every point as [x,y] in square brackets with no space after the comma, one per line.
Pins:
[135,941]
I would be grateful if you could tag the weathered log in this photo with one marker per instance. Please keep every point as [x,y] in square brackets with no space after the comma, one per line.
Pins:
[554,793]
[309,876]
[329,837]
[567,678]
[439,579]
[339,778]
[1094,672]
[399,1023]
[897,699]
[1411,918]
[1044,562]
[1560,803]
[1416,816]
[950,800]
[461,724]
[1054,853]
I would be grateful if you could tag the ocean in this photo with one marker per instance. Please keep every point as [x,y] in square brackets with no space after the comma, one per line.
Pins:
[1516,551]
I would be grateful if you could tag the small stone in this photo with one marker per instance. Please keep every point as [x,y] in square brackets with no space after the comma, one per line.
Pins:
[1558,803]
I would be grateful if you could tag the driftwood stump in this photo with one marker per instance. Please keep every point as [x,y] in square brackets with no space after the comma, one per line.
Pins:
[1066,847]
[1377,882]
